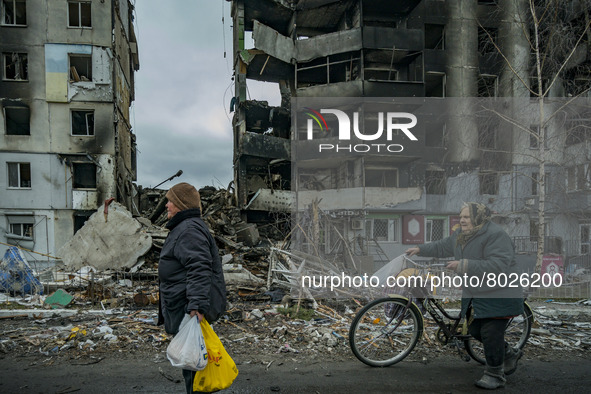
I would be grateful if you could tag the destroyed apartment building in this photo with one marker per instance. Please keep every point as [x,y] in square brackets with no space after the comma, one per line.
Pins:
[65,133]
[411,49]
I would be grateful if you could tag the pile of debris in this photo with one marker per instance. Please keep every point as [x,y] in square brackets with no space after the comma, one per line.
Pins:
[253,331]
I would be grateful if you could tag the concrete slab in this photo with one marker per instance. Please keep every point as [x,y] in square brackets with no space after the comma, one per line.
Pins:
[114,240]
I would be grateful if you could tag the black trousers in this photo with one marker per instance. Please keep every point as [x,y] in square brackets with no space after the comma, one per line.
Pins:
[189,376]
[491,332]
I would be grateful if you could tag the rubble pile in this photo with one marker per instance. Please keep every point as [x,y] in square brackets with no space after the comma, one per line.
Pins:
[246,248]
[252,331]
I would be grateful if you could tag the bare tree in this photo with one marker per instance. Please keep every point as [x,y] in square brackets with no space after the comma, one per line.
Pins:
[558,36]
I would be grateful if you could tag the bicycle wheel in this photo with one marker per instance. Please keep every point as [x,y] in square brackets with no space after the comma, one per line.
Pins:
[516,335]
[385,331]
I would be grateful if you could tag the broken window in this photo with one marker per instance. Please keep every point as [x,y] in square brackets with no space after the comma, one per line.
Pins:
[489,183]
[320,179]
[487,86]
[381,177]
[80,218]
[16,66]
[17,120]
[342,67]
[79,14]
[487,37]
[14,12]
[583,178]
[83,122]
[487,134]
[585,230]
[571,183]
[434,84]
[435,182]
[434,229]
[80,68]
[20,226]
[435,134]
[19,175]
[434,36]
[84,176]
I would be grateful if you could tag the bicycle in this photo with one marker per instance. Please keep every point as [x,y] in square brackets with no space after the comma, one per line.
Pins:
[386,330]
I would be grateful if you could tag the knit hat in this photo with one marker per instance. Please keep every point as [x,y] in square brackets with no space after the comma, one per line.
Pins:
[184,196]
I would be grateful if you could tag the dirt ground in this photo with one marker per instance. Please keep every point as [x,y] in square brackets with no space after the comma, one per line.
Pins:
[125,352]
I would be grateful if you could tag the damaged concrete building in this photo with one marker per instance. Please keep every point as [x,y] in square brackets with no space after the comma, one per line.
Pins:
[65,133]
[411,48]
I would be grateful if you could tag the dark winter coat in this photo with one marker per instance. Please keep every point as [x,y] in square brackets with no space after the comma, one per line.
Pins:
[190,272]
[489,252]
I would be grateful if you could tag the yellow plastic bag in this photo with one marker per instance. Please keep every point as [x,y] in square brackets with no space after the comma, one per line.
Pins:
[221,370]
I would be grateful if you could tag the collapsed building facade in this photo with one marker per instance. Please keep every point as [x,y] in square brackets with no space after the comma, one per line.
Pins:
[412,48]
[65,135]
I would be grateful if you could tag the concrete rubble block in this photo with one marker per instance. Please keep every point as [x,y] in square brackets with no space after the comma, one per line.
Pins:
[235,274]
[248,234]
[113,240]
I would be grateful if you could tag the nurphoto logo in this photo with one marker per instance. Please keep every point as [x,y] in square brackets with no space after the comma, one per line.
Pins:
[394,121]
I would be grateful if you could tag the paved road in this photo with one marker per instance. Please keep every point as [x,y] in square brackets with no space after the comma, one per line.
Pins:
[132,374]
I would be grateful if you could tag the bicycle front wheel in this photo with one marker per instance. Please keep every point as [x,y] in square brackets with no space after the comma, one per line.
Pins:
[385,331]
[516,335]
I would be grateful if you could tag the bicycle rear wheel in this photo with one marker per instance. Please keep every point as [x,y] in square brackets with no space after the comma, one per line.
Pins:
[385,331]
[516,335]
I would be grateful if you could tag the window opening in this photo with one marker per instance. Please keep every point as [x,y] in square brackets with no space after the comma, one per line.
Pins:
[489,183]
[17,120]
[79,14]
[80,218]
[435,134]
[380,229]
[84,176]
[434,36]
[585,238]
[434,84]
[381,177]
[19,175]
[487,134]
[16,66]
[434,229]
[486,39]
[80,68]
[435,182]
[14,12]
[83,123]
[24,230]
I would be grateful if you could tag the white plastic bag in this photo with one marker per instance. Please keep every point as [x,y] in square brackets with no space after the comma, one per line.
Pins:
[187,348]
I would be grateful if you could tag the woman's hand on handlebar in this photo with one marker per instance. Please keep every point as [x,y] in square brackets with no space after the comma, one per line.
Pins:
[412,251]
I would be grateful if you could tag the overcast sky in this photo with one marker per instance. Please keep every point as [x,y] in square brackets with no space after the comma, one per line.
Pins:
[183,90]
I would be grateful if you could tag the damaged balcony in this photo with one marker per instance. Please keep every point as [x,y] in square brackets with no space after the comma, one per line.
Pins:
[262,157]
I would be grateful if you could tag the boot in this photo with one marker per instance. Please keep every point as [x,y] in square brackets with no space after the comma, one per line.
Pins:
[512,356]
[493,378]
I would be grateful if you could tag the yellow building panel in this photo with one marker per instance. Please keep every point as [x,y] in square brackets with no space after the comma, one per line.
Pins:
[56,87]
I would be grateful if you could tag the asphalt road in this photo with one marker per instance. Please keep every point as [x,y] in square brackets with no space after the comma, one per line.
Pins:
[129,373]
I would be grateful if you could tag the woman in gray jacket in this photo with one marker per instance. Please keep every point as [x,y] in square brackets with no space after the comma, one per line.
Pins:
[481,248]
[190,268]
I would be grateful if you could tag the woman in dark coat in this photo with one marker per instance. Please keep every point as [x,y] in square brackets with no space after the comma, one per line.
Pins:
[481,247]
[190,268]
